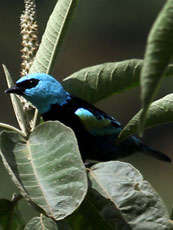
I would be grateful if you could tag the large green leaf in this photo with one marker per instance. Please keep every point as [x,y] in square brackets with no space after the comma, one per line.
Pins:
[88,217]
[47,167]
[41,223]
[10,216]
[98,82]
[53,36]
[159,112]
[128,198]
[158,53]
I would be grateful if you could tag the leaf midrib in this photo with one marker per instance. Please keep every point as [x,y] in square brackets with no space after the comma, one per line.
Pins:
[37,177]
[58,38]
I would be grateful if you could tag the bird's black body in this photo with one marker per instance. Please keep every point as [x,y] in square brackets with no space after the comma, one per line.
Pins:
[96,132]
[90,146]
[99,148]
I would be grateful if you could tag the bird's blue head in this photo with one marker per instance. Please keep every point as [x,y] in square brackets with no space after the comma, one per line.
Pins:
[41,90]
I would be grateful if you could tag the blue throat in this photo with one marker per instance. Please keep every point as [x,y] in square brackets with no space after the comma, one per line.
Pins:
[45,106]
[44,103]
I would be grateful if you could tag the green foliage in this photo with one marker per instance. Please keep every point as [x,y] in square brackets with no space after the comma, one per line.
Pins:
[158,53]
[10,216]
[126,190]
[159,112]
[41,223]
[98,82]
[119,198]
[101,81]
[45,163]
[17,106]
[53,36]
[50,172]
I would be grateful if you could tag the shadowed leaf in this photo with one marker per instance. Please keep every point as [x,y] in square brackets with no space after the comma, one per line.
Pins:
[138,204]
[10,217]
[159,112]
[97,212]
[157,56]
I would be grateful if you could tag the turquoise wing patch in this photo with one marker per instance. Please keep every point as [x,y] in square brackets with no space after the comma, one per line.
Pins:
[102,126]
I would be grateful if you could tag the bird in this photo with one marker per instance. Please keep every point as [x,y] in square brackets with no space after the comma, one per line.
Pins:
[96,131]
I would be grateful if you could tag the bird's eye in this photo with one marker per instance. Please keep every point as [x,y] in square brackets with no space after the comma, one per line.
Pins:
[27,84]
[32,83]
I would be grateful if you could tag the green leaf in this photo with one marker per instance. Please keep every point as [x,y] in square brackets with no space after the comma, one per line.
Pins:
[98,82]
[53,36]
[48,166]
[171,216]
[89,215]
[36,119]
[129,198]
[41,223]
[10,216]
[159,112]
[17,105]
[157,56]
[11,128]
[63,225]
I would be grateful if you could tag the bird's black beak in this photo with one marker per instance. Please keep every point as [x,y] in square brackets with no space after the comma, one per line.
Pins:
[15,89]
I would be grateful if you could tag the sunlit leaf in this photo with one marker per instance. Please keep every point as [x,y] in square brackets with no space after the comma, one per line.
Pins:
[41,223]
[53,36]
[98,82]
[101,81]
[48,166]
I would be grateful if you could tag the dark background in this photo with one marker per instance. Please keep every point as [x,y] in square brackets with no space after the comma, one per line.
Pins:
[101,31]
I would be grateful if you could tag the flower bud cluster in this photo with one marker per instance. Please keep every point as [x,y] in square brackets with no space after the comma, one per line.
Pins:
[29,30]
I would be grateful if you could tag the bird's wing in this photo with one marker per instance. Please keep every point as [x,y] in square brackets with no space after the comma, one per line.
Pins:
[98,123]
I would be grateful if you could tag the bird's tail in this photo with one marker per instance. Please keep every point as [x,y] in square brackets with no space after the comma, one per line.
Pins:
[148,150]
[155,153]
